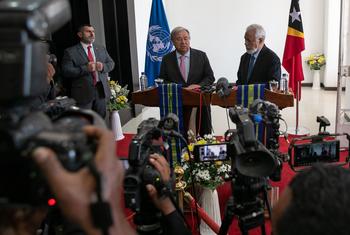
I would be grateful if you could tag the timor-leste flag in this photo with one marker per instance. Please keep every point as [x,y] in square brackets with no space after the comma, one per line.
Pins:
[292,61]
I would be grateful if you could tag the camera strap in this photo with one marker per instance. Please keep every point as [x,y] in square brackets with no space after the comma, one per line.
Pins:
[100,210]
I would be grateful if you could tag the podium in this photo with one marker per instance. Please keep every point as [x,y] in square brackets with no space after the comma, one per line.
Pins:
[191,99]
[281,100]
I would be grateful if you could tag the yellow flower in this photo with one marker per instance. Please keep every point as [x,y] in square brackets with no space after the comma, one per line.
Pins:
[218,163]
[118,100]
[190,147]
[111,82]
[186,156]
[202,141]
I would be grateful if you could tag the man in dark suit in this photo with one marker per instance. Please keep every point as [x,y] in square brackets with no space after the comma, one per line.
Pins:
[87,66]
[189,67]
[259,64]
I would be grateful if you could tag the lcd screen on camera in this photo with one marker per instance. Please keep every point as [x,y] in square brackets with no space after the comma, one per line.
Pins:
[211,152]
[307,154]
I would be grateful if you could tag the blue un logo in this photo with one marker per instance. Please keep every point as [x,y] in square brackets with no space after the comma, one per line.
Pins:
[158,43]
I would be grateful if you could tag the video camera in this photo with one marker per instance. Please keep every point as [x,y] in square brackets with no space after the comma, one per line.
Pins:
[56,124]
[253,163]
[250,156]
[148,140]
[323,148]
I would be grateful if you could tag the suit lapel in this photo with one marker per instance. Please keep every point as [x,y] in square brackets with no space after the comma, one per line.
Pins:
[246,65]
[192,66]
[179,77]
[97,52]
[82,53]
[258,61]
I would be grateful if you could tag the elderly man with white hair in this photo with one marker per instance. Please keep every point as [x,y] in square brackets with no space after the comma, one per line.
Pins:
[258,64]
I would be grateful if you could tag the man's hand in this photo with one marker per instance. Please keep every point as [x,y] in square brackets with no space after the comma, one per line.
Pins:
[193,87]
[99,66]
[91,66]
[162,203]
[75,190]
[50,72]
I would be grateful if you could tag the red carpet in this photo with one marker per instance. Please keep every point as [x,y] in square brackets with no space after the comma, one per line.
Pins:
[224,191]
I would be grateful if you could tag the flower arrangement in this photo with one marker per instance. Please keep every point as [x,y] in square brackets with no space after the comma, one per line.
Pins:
[206,174]
[118,98]
[316,61]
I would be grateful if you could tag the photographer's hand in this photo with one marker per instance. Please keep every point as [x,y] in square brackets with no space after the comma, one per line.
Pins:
[163,203]
[75,190]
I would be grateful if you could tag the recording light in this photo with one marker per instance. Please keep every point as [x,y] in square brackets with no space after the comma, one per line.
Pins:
[51,202]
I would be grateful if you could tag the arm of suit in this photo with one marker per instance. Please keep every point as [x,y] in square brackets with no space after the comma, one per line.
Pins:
[275,69]
[239,73]
[108,63]
[163,73]
[207,73]
[70,67]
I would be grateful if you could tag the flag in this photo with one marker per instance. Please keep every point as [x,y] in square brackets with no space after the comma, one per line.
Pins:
[292,61]
[158,41]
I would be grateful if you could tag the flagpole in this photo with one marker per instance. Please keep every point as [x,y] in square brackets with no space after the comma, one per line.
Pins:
[297,111]
[298,130]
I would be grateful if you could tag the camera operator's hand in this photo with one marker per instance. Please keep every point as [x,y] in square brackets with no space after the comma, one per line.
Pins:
[163,203]
[50,73]
[75,190]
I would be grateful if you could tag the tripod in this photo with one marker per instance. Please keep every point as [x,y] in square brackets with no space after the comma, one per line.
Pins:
[247,203]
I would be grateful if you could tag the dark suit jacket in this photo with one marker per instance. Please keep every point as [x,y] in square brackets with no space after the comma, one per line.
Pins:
[74,67]
[267,67]
[200,71]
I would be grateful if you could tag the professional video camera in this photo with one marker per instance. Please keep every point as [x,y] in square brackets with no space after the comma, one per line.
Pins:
[252,164]
[148,140]
[55,124]
[323,147]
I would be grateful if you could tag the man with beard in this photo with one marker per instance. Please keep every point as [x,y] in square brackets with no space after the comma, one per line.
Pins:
[259,64]
[87,65]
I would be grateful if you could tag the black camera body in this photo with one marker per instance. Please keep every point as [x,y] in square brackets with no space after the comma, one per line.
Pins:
[152,136]
[56,124]
[20,133]
[253,163]
[140,171]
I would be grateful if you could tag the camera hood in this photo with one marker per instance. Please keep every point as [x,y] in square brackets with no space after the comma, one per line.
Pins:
[23,56]
[257,162]
[37,17]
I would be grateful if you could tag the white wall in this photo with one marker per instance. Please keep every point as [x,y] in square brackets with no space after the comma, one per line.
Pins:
[331,35]
[217,27]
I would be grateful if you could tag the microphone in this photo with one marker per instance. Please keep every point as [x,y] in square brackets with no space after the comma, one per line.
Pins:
[222,87]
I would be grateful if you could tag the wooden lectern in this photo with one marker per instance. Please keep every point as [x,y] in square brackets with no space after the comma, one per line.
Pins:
[191,99]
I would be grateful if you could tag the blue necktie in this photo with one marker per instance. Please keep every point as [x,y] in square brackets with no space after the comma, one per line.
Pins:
[251,66]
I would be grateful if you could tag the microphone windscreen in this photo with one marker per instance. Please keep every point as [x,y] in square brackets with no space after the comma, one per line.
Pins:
[222,87]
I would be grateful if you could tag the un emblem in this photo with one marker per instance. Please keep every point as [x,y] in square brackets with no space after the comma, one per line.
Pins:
[158,43]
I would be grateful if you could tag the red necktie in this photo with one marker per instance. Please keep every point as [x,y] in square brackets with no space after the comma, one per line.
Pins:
[91,59]
[183,67]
